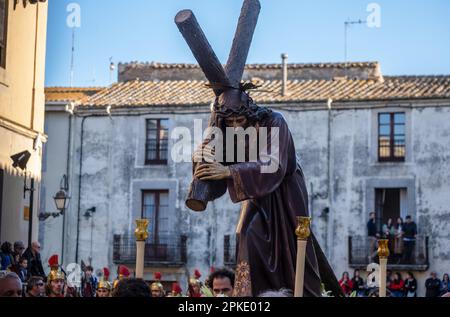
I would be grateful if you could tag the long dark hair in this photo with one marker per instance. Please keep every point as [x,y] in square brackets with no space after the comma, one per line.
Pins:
[6,247]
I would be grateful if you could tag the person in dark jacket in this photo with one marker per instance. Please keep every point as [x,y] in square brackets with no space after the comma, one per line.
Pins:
[373,235]
[410,285]
[409,239]
[433,286]
[32,254]
[6,255]
[358,283]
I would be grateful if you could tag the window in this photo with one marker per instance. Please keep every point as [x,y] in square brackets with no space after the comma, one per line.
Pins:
[3,31]
[155,204]
[391,137]
[156,144]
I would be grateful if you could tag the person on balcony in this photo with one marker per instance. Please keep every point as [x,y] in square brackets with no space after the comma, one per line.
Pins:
[445,288]
[388,232]
[373,236]
[358,284]
[398,241]
[410,285]
[433,286]
[397,285]
[409,231]
[346,284]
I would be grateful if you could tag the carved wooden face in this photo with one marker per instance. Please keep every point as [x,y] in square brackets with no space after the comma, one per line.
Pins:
[236,122]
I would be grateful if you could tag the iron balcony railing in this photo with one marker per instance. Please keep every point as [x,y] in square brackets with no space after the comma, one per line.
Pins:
[229,251]
[167,251]
[359,249]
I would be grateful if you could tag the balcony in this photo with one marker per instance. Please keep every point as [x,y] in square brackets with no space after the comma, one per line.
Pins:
[358,255]
[166,252]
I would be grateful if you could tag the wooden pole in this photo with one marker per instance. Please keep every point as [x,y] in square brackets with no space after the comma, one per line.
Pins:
[141,235]
[302,232]
[383,254]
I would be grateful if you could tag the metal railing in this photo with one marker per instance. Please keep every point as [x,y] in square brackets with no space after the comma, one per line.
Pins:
[166,251]
[359,254]
[229,251]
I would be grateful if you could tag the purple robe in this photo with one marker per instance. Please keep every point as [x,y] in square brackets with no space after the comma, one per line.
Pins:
[267,245]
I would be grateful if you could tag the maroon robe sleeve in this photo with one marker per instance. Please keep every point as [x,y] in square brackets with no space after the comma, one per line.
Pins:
[247,180]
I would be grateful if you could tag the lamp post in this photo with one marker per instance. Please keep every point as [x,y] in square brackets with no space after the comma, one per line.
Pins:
[302,232]
[61,199]
[141,234]
[383,254]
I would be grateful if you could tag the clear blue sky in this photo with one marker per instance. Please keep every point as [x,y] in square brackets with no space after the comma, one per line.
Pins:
[414,37]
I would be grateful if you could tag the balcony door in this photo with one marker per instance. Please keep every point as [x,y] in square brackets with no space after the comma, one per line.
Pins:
[155,204]
[390,203]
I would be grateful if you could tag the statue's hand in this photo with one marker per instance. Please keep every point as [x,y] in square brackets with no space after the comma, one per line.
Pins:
[212,171]
[203,154]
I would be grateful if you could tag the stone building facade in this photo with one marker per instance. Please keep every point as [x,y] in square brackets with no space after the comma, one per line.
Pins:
[367,142]
[23,29]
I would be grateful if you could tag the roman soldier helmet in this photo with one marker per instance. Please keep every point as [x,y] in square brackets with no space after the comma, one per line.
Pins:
[122,272]
[55,271]
[156,285]
[176,290]
[195,280]
[104,281]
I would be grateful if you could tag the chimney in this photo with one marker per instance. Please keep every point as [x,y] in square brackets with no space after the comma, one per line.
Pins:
[284,58]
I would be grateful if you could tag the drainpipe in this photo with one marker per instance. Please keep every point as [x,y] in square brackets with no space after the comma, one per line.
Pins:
[68,175]
[79,188]
[329,183]
[284,89]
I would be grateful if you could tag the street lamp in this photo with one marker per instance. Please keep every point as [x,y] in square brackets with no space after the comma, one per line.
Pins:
[61,201]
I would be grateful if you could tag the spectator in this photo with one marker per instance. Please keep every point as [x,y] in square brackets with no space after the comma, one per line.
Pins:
[32,254]
[358,284]
[445,287]
[409,232]
[221,282]
[346,284]
[10,285]
[88,283]
[388,229]
[35,287]
[6,255]
[397,285]
[19,248]
[22,271]
[373,236]
[131,287]
[398,241]
[433,286]
[410,285]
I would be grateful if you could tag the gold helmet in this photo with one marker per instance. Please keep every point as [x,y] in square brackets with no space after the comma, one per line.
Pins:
[122,272]
[156,285]
[104,281]
[55,272]
[195,280]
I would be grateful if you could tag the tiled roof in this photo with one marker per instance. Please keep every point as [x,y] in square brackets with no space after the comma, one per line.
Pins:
[161,93]
[68,94]
[157,65]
